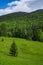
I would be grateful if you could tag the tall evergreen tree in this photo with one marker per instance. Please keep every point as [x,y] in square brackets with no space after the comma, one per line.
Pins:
[13,49]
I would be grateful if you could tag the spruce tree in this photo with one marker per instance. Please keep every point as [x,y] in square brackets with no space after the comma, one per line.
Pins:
[13,49]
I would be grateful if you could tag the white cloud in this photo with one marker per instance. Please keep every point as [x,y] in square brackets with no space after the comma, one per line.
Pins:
[12,3]
[5,11]
[20,6]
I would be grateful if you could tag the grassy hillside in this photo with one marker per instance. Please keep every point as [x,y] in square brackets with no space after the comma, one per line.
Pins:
[29,52]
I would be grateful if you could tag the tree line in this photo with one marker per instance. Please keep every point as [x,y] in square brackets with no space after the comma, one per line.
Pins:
[29,31]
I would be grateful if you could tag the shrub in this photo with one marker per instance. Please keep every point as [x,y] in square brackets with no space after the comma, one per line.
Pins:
[2,39]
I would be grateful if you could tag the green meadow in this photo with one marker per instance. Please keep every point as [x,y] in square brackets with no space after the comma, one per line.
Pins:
[29,52]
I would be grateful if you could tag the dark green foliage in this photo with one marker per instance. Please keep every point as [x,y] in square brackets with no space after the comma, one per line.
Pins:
[40,35]
[3,29]
[13,49]
[23,25]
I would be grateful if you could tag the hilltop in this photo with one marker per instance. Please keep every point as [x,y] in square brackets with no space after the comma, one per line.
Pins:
[36,14]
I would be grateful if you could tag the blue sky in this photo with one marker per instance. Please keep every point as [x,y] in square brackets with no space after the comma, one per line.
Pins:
[9,6]
[3,3]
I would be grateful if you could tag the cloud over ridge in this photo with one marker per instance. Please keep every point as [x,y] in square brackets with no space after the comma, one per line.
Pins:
[16,6]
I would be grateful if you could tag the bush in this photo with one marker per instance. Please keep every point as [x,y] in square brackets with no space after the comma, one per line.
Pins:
[13,49]
[2,39]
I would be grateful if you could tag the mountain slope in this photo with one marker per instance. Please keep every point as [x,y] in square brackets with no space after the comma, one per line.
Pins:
[20,15]
[24,25]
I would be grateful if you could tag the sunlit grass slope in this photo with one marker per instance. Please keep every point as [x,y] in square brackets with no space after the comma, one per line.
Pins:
[29,52]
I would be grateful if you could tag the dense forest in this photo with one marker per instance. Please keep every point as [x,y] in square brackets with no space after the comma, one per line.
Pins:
[23,25]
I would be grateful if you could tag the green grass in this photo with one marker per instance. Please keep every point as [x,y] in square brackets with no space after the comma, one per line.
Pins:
[29,52]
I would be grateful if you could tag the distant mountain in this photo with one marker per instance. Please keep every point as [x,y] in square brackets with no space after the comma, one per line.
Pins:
[23,15]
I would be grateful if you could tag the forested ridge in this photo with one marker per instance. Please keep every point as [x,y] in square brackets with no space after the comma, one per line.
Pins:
[23,25]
